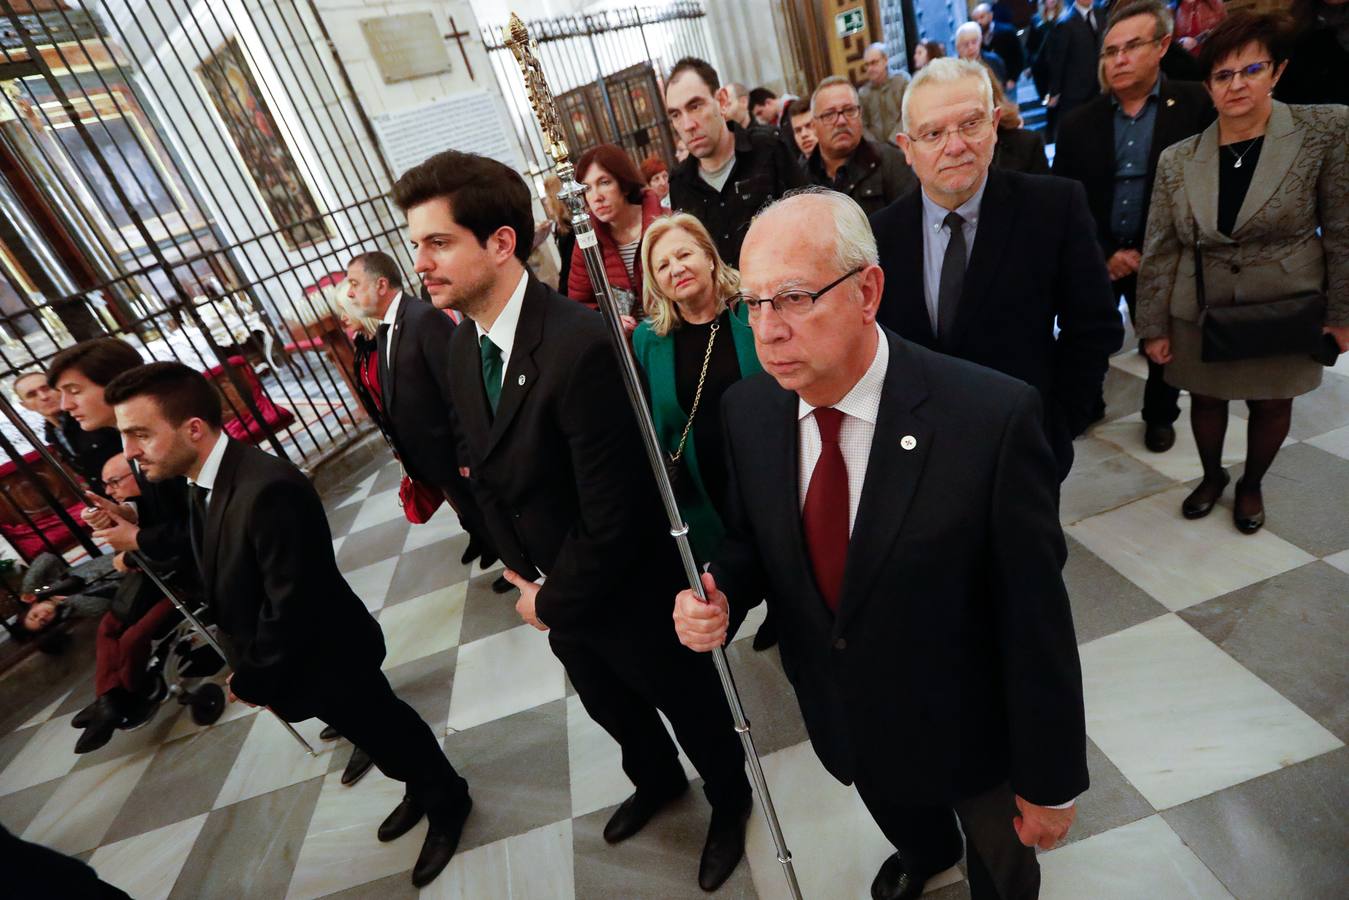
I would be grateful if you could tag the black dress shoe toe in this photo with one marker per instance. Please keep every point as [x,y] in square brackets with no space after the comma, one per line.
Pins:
[633,813]
[329,733]
[471,552]
[86,716]
[442,839]
[1159,438]
[894,882]
[487,560]
[403,819]
[357,766]
[1248,513]
[1204,497]
[99,732]
[502,586]
[724,848]
[766,636]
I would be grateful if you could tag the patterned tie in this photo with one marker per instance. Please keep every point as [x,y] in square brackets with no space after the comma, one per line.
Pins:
[825,516]
[491,370]
[952,278]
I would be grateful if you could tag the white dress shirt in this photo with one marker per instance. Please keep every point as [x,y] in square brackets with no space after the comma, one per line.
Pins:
[502,332]
[211,467]
[936,237]
[390,319]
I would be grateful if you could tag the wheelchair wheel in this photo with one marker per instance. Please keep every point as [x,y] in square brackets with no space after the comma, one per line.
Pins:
[208,702]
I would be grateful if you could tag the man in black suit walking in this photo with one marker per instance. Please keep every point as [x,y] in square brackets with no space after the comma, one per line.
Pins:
[561,477]
[986,264]
[298,640]
[415,414]
[897,508]
[1111,145]
[1074,52]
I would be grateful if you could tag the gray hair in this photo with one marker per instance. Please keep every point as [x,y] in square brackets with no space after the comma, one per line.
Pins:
[947,70]
[967,27]
[31,373]
[854,242]
[1160,14]
[879,47]
[833,81]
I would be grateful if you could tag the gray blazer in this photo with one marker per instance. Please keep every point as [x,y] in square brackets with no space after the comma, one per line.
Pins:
[1300,185]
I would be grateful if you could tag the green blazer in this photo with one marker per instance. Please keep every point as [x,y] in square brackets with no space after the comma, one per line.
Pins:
[655,354]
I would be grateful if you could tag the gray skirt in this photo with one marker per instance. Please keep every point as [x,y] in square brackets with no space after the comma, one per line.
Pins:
[1274,378]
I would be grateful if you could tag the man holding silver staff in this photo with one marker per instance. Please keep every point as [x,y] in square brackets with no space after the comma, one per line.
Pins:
[560,474]
[898,510]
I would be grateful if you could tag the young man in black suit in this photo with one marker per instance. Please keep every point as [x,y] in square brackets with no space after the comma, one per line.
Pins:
[78,374]
[415,414]
[986,264]
[1111,145]
[299,640]
[561,476]
[1074,52]
[897,508]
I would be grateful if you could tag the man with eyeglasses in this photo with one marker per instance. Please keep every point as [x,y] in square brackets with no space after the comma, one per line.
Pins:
[881,95]
[872,172]
[996,267]
[896,508]
[1111,146]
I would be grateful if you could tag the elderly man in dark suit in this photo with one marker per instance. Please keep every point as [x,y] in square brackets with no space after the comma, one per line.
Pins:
[560,474]
[1111,145]
[987,265]
[298,639]
[1074,52]
[897,509]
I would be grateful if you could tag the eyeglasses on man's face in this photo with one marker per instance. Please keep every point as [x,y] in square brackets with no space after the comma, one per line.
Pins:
[973,129]
[1224,77]
[1129,48]
[115,480]
[789,304]
[829,117]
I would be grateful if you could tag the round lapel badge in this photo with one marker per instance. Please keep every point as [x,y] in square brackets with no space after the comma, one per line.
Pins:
[521,382]
[908,442]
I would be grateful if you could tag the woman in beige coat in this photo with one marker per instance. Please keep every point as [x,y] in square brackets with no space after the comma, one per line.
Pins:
[1268,187]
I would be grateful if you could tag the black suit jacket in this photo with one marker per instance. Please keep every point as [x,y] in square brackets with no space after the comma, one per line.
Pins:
[1086,147]
[1035,258]
[951,665]
[162,515]
[1074,53]
[560,473]
[1007,45]
[292,624]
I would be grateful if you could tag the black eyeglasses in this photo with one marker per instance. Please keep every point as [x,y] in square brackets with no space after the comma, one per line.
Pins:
[1130,48]
[790,304]
[1224,76]
[829,117]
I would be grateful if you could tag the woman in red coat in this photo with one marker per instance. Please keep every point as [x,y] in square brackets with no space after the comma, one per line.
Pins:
[621,208]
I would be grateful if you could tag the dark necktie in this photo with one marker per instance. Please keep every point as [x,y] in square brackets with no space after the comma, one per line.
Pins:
[1091,22]
[825,516]
[197,512]
[491,370]
[382,355]
[952,278]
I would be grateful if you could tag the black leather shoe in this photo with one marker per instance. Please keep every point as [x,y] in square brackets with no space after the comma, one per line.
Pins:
[357,766]
[766,636]
[633,813]
[471,552]
[137,712]
[86,716]
[1159,438]
[1248,513]
[894,882]
[724,848]
[442,839]
[1202,499]
[403,819]
[107,716]
[329,733]
[502,586]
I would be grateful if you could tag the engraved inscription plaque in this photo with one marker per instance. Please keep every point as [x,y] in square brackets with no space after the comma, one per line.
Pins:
[406,46]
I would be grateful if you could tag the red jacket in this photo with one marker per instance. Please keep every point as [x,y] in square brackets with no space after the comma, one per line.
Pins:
[578,282]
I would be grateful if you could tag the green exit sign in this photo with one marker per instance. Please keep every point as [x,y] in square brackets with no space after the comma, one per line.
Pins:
[850,21]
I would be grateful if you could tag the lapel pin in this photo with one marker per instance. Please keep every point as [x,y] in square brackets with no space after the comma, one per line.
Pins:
[521,382]
[1170,101]
[908,442]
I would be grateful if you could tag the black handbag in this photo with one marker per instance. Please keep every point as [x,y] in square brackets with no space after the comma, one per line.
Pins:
[1281,327]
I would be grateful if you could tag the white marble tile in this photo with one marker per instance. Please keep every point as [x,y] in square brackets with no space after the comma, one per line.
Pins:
[1339,560]
[378,508]
[337,544]
[595,762]
[45,713]
[536,865]
[185,726]
[48,754]
[753,619]
[1132,362]
[341,849]
[1336,441]
[836,845]
[1178,561]
[75,817]
[270,759]
[1181,462]
[1142,859]
[504,674]
[424,625]
[147,865]
[1181,719]
[443,525]
[362,491]
[1341,366]
[371,583]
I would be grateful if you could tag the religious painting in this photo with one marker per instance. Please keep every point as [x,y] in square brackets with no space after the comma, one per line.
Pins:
[249,121]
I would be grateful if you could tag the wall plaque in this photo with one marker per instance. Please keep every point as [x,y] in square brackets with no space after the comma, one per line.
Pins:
[406,46]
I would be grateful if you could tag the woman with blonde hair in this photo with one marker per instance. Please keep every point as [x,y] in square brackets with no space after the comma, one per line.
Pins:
[692,347]
[365,362]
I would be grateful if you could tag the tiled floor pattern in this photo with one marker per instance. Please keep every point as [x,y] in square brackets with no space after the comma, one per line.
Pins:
[1217,694]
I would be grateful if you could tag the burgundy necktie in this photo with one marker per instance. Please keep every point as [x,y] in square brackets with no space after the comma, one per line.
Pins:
[825,516]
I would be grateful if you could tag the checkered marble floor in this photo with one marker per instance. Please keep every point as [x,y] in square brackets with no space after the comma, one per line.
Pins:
[1217,698]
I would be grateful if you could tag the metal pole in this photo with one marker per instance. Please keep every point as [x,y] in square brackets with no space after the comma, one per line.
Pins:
[32,438]
[572,194]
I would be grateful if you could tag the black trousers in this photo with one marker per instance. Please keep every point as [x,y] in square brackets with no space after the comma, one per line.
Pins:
[624,678]
[459,494]
[999,866]
[365,710]
[1160,400]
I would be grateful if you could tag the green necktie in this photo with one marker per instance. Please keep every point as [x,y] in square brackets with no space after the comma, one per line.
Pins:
[491,370]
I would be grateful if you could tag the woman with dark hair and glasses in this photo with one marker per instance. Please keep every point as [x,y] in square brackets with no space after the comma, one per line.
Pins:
[1262,191]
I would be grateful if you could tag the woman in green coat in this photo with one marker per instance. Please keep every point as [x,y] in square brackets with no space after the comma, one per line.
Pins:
[691,348]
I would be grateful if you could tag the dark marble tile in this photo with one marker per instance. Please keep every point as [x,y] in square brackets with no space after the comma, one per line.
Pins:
[660,862]
[1123,394]
[12,743]
[341,517]
[182,780]
[425,569]
[1305,491]
[486,613]
[370,545]
[1104,478]
[124,743]
[1110,801]
[1279,835]
[1324,409]
[249,849]
[17,810]
[1103,600]
[1289,630]
[393,887]
[388,478]
[767,697]
[517,773]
